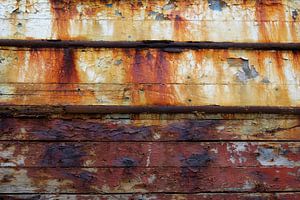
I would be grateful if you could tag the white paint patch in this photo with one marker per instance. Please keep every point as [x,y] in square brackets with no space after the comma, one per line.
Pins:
[268,157]
[215,150]
[107,27]
[248,185]
[151,179]
[149,155]
[235,150]
[11,159]
[156,136]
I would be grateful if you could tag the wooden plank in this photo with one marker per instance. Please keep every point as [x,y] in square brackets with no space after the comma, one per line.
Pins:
[154,154]
[133,179]
[149,77]
[150,95]
[226,20]
[128,65]
[12,129]
[202,196]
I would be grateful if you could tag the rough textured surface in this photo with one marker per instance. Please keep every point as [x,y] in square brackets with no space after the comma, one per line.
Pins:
[149,77]
[200,20]
[152,128]
[130,142]
[205,196]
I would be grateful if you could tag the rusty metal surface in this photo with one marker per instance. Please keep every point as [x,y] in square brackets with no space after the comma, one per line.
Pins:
[150,99]
[149,154]
[152,128]
[204,196]
[209,20]
[147,180]
[166,46]
[149,77]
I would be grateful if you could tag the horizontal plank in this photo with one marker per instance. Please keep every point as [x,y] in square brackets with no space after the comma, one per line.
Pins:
[201,196]
[133,179]
[160,129]
[241,95]
[226,20]
[129,65]
[149,77]
[129,154]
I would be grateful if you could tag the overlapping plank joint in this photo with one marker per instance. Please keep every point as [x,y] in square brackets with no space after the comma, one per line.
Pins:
[150,99]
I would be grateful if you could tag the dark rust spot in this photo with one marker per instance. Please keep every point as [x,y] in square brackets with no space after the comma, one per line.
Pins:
[63,155]
[193,129]
[63,12]
[197,160]
[127,162]
[295,14]
[68,70]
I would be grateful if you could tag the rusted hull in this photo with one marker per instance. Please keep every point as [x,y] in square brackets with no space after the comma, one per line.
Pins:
[211,20]
[150,99]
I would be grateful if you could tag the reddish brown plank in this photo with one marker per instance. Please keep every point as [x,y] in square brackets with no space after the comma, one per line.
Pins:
[14,129]
[134,179]
[149,154]
[204,196]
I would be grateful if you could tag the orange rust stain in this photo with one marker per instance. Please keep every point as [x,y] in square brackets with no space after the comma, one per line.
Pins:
[55,66]
[283,91]
[180,25]
[151,67]
[265,12]
[63,12]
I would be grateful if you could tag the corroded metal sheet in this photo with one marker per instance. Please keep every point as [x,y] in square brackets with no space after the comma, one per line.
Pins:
[149,154]
[207,20]
[149,77]
[204,196]
[158,129]
[147,180]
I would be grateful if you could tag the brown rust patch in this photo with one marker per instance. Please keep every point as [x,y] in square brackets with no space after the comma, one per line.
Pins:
[269,30]
[154,69]
[61,156]
[53,66]
[63,12]
[69,73]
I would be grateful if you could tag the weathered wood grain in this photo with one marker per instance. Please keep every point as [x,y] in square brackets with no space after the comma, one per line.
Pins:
[134,179]
[128,65]
[200,196]
[154,154]
[210,20]
[150,94]
[149,77]
[13,129]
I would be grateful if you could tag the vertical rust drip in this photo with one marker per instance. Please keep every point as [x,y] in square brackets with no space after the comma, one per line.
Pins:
[283,92]
[63,12]
[179,27]
[264,11]
[261,15]
[68,69]
[151,68]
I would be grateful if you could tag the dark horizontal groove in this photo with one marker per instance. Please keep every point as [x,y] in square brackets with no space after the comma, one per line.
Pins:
[44,110]
[142,167]
[82,141]
[169,46]
[157,193]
